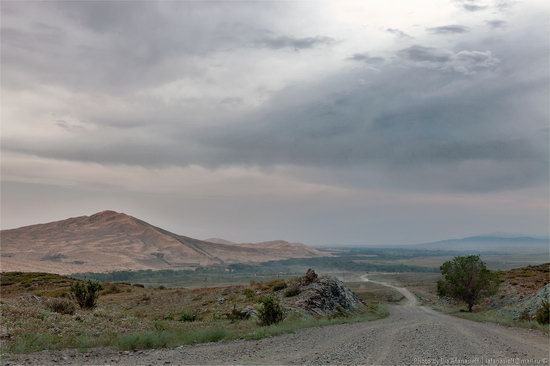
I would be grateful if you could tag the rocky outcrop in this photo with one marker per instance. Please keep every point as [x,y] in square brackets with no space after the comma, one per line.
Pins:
[532,303]
[323,296]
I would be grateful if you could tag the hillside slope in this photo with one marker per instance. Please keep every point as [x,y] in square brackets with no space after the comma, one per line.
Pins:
[108,241]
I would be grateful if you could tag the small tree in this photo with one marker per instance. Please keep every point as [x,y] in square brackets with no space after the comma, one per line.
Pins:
[86,294]
[467,278]
[271,311]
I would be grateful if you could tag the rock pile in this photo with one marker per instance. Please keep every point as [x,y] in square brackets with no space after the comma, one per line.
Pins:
[324,296]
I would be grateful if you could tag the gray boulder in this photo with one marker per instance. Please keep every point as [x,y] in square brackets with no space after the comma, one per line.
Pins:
[325,296]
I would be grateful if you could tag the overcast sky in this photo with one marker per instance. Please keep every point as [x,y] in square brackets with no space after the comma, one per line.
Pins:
[326,122]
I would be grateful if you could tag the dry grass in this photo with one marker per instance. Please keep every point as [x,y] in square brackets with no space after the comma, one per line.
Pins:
[130,317]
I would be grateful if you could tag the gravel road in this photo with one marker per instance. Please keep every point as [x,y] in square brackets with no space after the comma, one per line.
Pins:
[411,335]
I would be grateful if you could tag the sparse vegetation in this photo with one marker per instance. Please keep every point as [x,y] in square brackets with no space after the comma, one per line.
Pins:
[111,288]
[277,285]
[86,294]
[292,291]
[543,313]
[187,317]
[236,314]
[249,293]
[61,306]
[466,278]
[122,320]
[271,312]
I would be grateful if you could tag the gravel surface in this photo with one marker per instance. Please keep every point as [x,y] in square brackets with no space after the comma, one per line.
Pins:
[411,335]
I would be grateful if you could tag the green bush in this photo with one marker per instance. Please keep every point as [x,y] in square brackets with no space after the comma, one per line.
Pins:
[188,317]
[543,313]
[467,278]
[86,293]
[61,306]
[271,311]
[292,291]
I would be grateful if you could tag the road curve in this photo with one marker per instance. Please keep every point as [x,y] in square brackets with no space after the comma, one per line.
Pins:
[411,335]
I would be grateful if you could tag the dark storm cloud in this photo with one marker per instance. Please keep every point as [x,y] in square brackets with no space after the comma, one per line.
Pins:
[398,33]
[463,118]
[448,29]
[386,126]
[123,46]
[366,58]
[294,43]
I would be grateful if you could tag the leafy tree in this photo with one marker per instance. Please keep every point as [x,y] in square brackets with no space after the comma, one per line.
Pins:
[466,278]
[271,311]
[86,293]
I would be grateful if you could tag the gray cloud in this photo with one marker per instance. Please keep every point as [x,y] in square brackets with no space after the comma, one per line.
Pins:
[367,58]
[295,43]
[394,125]
[451,114]
[479,5]
[448,29]
[471,5]
[465,61]
[123,46]
[496,23]
[398,33]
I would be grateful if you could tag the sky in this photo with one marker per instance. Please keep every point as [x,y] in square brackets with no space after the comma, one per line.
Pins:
[324,122]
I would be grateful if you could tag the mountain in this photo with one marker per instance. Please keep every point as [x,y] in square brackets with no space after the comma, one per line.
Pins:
[219,241]
[280,245]
[110,241]
[491,243]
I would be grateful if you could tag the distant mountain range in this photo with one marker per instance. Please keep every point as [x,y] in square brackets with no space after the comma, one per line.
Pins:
[110,241]
[491,243]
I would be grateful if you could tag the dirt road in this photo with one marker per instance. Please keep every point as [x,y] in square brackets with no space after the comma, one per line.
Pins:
[411,335]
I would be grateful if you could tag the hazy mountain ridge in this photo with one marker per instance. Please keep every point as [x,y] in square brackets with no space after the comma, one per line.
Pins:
[108,241]
[483,243]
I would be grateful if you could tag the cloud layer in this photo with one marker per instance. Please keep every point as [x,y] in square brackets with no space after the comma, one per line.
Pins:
[305,95]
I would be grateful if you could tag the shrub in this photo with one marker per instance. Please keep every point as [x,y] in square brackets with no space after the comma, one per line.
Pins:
[86,294]
[292,291]
[61,306]
[524,316]
[277,285]
[237,314]
[188,317]
[111,288]
[249,293]
[543,313]
[271,311]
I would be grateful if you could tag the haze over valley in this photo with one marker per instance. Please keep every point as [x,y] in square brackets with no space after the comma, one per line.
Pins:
[274,182]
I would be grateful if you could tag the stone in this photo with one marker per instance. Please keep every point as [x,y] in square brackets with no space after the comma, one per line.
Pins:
[325,296]
[310,277]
